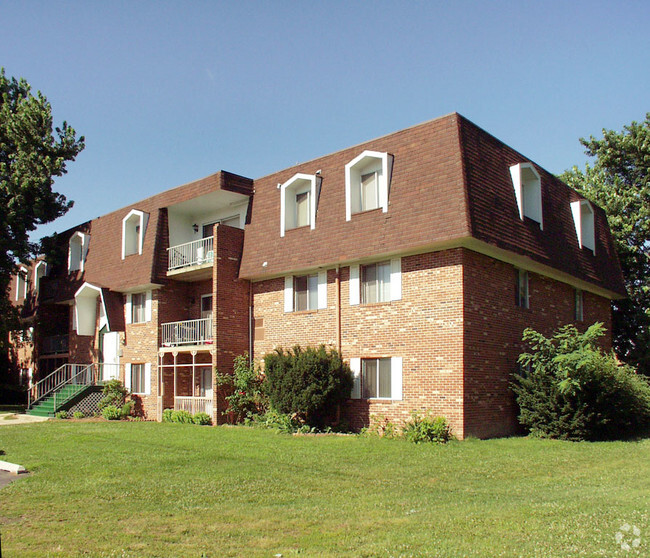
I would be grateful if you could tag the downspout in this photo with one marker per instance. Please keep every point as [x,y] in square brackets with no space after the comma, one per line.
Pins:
[250,323]
[338,309]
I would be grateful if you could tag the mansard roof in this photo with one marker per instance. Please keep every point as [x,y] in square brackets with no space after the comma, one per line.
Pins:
[450,186]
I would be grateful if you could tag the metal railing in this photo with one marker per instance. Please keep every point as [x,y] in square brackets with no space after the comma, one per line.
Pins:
[188,332]
[76,374]
[193,404]
[196,252]
[55,344]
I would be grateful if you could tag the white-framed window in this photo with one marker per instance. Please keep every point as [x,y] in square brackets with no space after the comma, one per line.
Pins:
[578,305]
[367,182]
[298,202]
[137,378]
[77,249]
[305,292]
[138,307]
[376,282]
[40,271]
[583,219]
[522,298]
[528,192]
[377,378]
[21,283]
[134,226]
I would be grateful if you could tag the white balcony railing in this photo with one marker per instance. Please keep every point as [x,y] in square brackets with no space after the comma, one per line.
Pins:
[193,404]
[192,253]
[188,332]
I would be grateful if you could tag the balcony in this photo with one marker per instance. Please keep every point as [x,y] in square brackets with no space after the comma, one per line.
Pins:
[55,345]
[194,257]
[188,332]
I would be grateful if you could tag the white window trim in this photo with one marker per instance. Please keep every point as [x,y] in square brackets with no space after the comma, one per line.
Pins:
[292,187]
[395,282]
[143,221]
[396,382]
[518,185]
[586,237]
[128,307]
[37,279]
[21,283]
[353,176]
[85,240]
[289,300]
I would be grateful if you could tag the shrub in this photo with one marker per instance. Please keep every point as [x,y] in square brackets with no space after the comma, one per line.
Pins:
[61,414]
[78,415]
[307,383]
[127,409]
[275,421]
[381,426]
[182,417]
[202,419]
[167,415]
[567,388]
[111,412]
[247,398]
[424,427]
[114,394]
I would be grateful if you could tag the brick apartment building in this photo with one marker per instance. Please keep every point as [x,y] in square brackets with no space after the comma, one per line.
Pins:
[421,255]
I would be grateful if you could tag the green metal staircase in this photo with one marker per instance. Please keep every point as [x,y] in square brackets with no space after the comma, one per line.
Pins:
[60,388]
[57,401]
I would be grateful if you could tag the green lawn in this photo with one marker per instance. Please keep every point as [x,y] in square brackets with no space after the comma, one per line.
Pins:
[146,489]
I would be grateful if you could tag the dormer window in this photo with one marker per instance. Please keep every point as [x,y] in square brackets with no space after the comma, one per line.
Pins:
[583,219]
[298,202]
[77,249]
[134,226]
[21,283]
[40,271]
[528,192]
[367,182]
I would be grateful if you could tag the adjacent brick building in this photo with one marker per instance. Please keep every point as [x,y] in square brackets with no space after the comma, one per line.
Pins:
[421,256]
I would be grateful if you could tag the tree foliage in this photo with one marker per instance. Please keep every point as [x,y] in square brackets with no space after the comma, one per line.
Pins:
[619,181]
[568,388]
[32,153]
[308,383]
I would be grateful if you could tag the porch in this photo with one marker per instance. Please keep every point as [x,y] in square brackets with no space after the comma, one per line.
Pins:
[193,259]
[186,382]
[187,332]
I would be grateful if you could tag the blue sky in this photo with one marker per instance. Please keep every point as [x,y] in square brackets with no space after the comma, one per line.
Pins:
[168,92]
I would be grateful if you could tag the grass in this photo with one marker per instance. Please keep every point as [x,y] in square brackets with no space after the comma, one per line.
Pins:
[147,489]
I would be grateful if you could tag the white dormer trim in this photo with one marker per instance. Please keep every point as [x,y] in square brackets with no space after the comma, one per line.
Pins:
[77,258]
[21,283]
[528,192]
[135,223]
[583,219]
[38,274]
[299,183]
[366,162]
[85,309]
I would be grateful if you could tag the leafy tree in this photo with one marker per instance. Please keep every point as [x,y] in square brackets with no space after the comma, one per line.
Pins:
[31,155]
[568,388]
[307,383]
[619,181]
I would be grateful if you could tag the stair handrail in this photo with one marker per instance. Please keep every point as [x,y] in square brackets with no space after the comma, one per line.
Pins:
[63,375]
[85,377]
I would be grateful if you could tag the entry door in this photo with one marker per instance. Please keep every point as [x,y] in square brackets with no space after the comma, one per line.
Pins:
[111,343]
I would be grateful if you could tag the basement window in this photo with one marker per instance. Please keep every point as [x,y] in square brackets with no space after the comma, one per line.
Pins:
[528,192]
[367,182]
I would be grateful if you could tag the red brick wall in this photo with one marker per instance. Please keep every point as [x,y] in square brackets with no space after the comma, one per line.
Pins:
[456,327]
[493,327]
